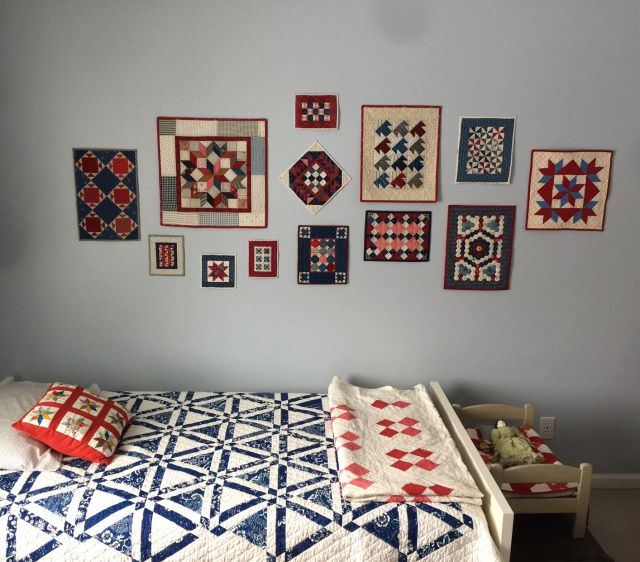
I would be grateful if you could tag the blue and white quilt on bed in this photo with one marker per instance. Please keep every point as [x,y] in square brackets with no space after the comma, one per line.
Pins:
[222,477]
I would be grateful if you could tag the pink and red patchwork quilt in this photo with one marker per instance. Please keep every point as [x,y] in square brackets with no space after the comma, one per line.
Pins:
[392,446]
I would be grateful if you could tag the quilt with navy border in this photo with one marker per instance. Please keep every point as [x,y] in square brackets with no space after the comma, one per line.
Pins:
[204,476]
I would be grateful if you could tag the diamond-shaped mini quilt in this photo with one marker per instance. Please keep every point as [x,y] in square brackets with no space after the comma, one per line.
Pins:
[485,149]
[166,255]
[219,270]
[479,247]
[323,255]
[106,193]
[213,172]
[568,189]
[315,178]
[402,236]
[263,258]
[399,155]
[316,111]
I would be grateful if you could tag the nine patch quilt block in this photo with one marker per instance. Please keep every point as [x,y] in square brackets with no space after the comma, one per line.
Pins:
[402,236]
[315,178]
[213,172]
[323,255]
[166,255]
[106,193]
[399,153]
[568,189]
[479,247]
[316,111]
[485,149]
[263,258]
[219,270]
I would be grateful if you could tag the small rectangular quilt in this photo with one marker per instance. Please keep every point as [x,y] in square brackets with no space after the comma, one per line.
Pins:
[393,446]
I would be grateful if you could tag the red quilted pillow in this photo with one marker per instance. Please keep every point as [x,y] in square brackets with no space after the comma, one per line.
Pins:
[77,423]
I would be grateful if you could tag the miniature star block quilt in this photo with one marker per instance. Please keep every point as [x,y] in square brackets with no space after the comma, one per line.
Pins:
[314,111]
[213,172]
[166,255]
[219,270]
[323,255]
[263,258]
[106,193]
[402,236]
[399,153]
[485,149]
[315,178]
[568,189]
[479,247]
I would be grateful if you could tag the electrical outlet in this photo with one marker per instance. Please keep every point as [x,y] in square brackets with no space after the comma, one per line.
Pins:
[547,426]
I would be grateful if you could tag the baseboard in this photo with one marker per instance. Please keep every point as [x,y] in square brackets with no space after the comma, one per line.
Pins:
[616,482]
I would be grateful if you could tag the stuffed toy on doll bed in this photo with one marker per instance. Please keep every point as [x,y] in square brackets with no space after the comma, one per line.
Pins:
[510,447]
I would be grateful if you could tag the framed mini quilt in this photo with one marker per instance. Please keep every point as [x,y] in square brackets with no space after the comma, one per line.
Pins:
[485,149]
[315,178]
[568,189]
[479,247]
[263,258]
[106,193]
[399,153]
[316,111]
[402,236]
[219,271]
[323,255]
[166,255]
[213,172]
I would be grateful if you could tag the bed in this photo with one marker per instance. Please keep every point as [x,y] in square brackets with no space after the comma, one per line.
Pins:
[233,476]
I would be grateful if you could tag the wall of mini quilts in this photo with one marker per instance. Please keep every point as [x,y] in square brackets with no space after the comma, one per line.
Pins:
[389,192]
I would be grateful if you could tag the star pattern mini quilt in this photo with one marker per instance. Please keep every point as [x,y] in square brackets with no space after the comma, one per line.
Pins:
[316,111]
[219,271]
[323,255]
[479,247]
[399,153]
[485,149]
[213,172]
[402,236]
[568,189]
[106,193]
[213,476]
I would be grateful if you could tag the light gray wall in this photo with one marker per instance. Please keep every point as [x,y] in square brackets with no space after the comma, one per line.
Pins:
[97,73]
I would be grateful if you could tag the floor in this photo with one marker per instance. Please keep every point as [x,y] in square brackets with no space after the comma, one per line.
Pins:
[614,520]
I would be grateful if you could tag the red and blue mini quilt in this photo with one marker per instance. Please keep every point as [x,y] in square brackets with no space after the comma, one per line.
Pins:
[263,258]
[106,193]
[323,255]
[316,111]
[402,236]
[219,270]
[166,255]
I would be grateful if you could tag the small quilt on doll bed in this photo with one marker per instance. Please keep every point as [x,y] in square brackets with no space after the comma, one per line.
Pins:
[539,446]
[224,477]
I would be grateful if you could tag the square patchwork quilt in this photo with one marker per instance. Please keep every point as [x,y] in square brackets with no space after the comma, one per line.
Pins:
[323,255]
[479,247]
[485,149]
[402,236]
[568,189]
[106,193]
[399,153]
[315,178]
[316,111]
[263,258]
[166,255]
[213,172]
[219,270]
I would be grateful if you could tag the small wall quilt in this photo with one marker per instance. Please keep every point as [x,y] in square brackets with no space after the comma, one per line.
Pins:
[219,270]
[263,258]
[213,172]
[485,149]
[323,255]
[399,153]
[479,247]
[106,193]
[166,255]
[568,189]
[315,178]
[314,111]
[397,236]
